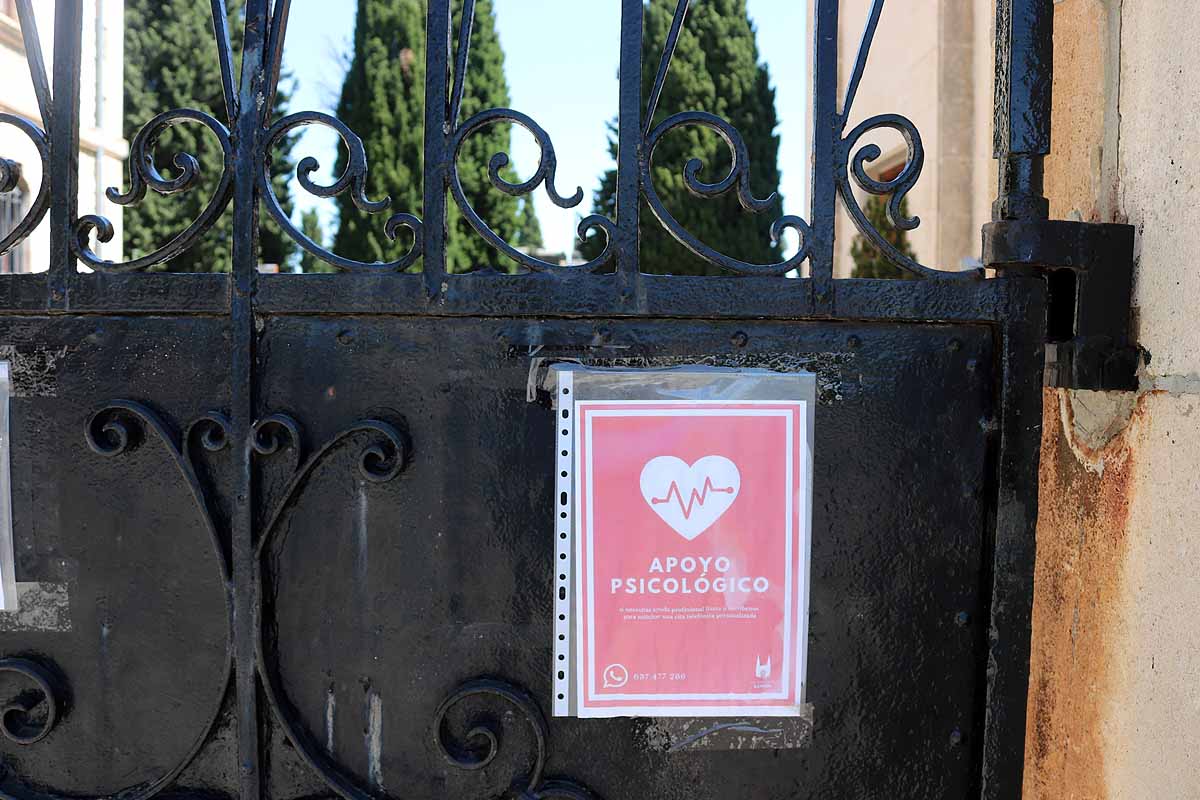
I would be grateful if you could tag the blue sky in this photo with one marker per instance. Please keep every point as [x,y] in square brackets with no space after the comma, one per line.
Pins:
[561,61]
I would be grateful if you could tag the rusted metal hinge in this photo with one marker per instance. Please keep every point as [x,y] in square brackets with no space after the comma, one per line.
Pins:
[1089,273]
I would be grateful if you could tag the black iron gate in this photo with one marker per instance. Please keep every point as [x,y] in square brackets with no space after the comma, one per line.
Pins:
[282,535]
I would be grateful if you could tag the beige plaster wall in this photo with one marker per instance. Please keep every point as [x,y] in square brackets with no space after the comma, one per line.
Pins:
[1115,676]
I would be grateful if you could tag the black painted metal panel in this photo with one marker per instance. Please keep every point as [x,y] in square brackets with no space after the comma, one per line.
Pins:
[126,594]
[382,598]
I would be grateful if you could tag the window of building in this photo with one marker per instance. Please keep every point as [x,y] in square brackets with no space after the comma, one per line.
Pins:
[12,209]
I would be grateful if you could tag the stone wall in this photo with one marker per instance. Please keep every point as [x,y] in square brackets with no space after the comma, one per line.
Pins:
[1114,698]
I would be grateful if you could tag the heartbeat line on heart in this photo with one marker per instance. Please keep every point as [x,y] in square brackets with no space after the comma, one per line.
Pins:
[696,497]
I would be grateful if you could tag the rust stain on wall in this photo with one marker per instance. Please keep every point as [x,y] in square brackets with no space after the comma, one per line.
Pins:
[1081,547]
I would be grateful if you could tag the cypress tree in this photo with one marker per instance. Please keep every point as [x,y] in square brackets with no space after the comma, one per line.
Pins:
[310,226]
[171,62]
[868,260]
[716,69]
[383,101]
[529,230]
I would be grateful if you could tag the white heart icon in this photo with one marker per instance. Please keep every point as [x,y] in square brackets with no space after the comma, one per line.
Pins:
[690,498]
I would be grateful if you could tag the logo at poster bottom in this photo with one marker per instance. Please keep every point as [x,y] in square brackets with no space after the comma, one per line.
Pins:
[690,498]
[615,676]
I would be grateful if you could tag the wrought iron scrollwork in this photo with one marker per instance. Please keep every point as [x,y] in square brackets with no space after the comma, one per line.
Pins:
[593,224]
[462,756]
[352,179]
[10,178]
[10,171]
[739,174]
[18,722]
[120,427]
[143,174]
[545,173]
[381,458]
[851,164]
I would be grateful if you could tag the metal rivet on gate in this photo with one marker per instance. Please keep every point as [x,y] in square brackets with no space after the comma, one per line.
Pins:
[956,737]
[955,344]
[854,342]
[739,339]
[962,618]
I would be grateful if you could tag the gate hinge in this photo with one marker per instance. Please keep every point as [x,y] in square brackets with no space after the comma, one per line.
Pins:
[1089,275]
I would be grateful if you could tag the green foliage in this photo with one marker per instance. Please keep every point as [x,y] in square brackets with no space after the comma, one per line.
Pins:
[310,226]
[716,68]
[869,262]
[171,62]
[383,101]
[529,230]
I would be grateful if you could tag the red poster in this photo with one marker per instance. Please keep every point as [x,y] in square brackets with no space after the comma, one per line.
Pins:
[690,558]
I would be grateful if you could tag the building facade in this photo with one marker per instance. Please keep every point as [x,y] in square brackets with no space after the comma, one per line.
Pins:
[102,150]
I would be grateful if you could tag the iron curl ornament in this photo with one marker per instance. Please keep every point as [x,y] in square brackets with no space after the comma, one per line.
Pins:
[10,171]
[143,175]
[383,452]
[738,176]
[544,174]
[461,755]
[18,722]
[851,164]
[353,179]
[120,427]
[10,180]
[593,224]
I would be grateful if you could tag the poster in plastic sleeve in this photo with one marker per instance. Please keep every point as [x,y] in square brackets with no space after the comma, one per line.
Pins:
[682,537]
